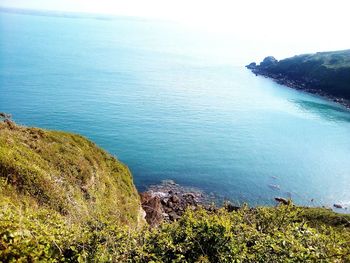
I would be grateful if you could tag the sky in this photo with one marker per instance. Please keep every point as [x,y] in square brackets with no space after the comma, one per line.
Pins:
[297,26]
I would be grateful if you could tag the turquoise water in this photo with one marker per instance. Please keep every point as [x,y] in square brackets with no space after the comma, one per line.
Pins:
[166,102]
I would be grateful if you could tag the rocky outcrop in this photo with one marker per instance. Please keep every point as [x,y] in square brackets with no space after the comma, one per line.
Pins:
[282,200]
[153,208]
[168,201]
[64,173]
[339,206]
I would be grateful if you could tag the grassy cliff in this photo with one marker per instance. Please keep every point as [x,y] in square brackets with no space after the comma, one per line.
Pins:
[327,73]
[63,199]
[56,184]
[66,173]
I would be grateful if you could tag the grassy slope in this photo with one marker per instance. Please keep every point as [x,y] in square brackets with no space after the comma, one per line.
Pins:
[64,199]
[327,71]
[65,173]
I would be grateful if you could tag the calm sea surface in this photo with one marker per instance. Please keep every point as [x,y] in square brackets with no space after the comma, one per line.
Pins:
[154,95]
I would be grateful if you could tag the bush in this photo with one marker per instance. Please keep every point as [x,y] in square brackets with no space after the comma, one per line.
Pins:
[248,235]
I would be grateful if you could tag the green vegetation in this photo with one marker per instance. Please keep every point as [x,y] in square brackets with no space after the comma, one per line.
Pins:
[52,185]
[328,72]
[264,234]
[66,173]
[62,199]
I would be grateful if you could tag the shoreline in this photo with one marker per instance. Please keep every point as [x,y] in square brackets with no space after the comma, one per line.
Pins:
[167,201]
[298,85]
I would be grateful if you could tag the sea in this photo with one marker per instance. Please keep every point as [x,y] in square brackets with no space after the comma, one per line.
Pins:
[176,104]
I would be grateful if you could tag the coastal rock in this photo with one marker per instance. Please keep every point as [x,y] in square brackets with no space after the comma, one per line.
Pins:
[170,204]
[152,206]
[5,116]
[173,216]
[282,200]
[175,199]
[338,206]
[168,201]
[230,207]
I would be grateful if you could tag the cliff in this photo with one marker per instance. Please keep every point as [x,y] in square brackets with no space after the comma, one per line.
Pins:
[65,173]
[323,73]
[63,199]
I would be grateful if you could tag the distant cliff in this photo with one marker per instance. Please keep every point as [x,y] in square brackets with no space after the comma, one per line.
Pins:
[323,73]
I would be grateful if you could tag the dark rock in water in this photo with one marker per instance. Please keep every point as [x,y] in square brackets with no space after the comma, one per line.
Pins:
[175,199]
[338,206]
[282,200]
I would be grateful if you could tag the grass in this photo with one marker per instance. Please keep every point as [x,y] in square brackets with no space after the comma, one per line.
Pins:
[66,173]
[63,199]
[316,216]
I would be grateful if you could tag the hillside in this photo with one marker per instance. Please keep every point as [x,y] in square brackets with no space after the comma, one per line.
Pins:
[66,173]
[323,73]
[63,199]
[53,181]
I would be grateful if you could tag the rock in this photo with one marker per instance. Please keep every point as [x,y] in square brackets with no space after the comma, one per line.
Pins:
[5,116]
[230,207]
[168,201]
[173,216]
[165,215]
[282,200]
[167,209]
[192,207]
[175,199]
[190,195]
[164,201]
[338,206]
[153,208]
[10,124]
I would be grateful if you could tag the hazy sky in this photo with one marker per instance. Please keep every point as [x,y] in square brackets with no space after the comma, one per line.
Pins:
[302,25]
